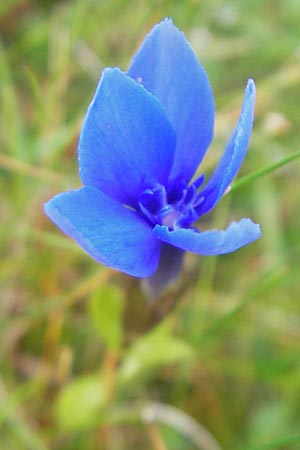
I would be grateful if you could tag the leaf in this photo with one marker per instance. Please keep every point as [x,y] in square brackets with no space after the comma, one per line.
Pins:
[277,444]
[155,349]
[270,422]
[79,404]
[106,310]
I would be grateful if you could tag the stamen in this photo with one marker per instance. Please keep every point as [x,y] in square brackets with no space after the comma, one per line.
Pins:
[174,209]
[170,218]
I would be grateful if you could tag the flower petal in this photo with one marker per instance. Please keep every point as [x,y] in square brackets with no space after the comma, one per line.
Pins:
[168,67]
[212,242]
[111,233]
[126,138]
[233,156]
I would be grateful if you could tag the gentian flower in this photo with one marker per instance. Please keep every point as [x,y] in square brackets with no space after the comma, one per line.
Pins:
[144,135]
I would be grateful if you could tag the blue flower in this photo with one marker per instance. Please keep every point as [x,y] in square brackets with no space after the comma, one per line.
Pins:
[144,135]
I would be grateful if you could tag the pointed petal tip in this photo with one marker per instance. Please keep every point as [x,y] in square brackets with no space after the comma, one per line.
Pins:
[167,22]
[167,29]
[251,88]
[164,26]
[234,153]
[168,67]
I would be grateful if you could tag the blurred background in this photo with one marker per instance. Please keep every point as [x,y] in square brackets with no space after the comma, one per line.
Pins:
[86,362]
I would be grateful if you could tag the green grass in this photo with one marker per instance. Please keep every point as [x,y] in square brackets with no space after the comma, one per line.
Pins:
[223,347]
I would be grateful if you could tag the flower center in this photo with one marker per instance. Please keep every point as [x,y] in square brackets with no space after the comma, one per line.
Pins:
[175,209]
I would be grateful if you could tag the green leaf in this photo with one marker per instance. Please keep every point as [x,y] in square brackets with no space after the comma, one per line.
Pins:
[155,349]
[79,404]
[11,119]
[106,310]
[269,423]
[280,443]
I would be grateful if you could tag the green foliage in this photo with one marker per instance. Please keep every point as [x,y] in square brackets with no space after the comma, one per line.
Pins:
[74,371]
[79,403]
[106,308]
[155,349]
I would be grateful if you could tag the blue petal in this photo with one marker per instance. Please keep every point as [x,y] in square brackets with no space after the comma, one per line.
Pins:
[111,233]
[167,66]
[233,156]
[212,242]
[126,138]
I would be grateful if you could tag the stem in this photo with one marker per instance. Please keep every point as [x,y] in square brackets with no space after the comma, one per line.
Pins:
[154,412]
[260,173]
[181,422]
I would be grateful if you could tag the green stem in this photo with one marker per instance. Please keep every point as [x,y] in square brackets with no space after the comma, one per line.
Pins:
[260,173]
